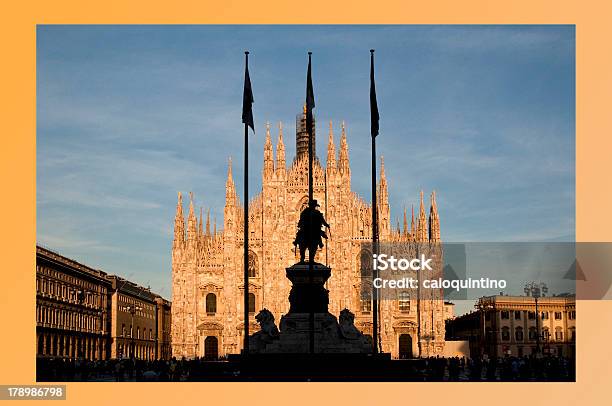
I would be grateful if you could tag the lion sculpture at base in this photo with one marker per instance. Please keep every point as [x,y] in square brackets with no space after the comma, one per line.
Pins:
[347,328]
[268,331]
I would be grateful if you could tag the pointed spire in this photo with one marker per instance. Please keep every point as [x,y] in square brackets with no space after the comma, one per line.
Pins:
[343,159]
[191,204]
[331,149]
[191,220]
[383,195]
[268,139]
[422,224]
[384,213]
[268,168]
[215,227]
[201,225]
[179,223]
[405,222]
[208,223]
[434,220]
[434,206]
[412,226]
[230,188]
[229,170]
[280,150]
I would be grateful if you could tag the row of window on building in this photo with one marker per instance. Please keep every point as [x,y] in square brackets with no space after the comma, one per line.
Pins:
[69,293]
[505,315]
[138,333]
[403,303]
[66,319]
[546,335]
[78,316]
[210,304]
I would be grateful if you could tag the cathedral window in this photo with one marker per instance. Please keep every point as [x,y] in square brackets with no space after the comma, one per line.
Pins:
[251,303]
[404,302]
[366,304]
[211,303]
[252,265]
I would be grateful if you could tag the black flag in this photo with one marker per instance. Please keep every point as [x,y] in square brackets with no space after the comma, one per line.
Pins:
[310,101]
[374,117]
[247,97]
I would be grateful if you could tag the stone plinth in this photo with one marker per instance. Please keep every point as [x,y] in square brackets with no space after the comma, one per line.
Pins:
[308,293]
[309,296]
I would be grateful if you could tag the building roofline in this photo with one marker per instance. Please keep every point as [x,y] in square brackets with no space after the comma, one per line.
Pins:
[132,287]
[54,256]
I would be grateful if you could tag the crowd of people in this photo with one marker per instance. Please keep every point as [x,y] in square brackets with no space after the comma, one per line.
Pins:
[527,368]
[66,370]
[548,368]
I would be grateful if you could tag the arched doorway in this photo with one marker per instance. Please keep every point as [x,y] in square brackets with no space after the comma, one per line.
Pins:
[211,348]
[405,346]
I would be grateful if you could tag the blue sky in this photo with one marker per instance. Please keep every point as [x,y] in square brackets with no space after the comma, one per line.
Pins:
[129,115]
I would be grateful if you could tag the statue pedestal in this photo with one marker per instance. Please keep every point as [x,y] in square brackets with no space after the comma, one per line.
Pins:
[309,296]
[308,293]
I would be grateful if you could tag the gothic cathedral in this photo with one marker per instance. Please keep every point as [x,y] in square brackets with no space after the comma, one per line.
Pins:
[207,266]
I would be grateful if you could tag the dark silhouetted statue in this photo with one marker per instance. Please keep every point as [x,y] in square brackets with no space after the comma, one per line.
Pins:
[309,235]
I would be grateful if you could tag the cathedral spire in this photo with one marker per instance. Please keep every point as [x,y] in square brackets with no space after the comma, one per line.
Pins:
[384,213]
[382,184]
[434,220]
[230,178]
[301,136]
[343,164]
[201,225]
[191,220]
[268,168]
[412,225]
[405,222]
[208,223]
[422,224]
[280,150]
[179,223]
[230,188]
[331,150]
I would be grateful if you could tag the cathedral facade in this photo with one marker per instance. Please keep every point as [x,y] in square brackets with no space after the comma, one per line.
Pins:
[207,265]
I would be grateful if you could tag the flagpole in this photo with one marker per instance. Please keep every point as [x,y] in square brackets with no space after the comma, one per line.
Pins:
[246,225]
[374,213]
[310,198]
[374,250]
